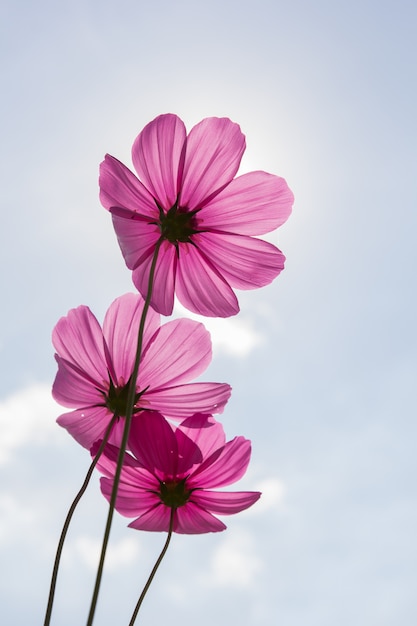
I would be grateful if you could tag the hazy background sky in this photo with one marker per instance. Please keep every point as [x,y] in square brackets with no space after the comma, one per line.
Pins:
[322,362]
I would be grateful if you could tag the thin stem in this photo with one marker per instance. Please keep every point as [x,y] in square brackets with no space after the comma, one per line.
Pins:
[154,570]
[68,521]
[128,419]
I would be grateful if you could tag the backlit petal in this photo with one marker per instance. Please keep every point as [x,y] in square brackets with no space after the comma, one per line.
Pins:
[137,239]
[245,262]
[252,204]
[131,501]
[164,279]
[86,425]
[153,443]
[119,187]
[184,400]
[224,467]
[156,155]
[205,431]
[193,520]
[132,474]
[224,503]
[200,286]
[189,454]
[156,519]
[74,389]
[180,350]
[214,149]
[120,330]
[78,339]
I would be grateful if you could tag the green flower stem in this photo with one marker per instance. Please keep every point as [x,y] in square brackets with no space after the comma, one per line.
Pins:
[154,570]
[123,445]
[68,521]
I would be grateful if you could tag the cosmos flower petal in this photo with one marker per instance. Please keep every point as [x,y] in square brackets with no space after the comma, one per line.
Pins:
[189,454]
[161,450]
[244,262]
[137,240]
[205,431]
[224,466]
[120,330]
[155,519]
[133,475]
[180,350]
[131,501]
[154,444]
[214,149]
[200,287]
[73,388]
[156,155]
[164,279]
[120,188]
[253,204]
[86,425]
[78,339]
[183,400]
[193,520]
[225,503]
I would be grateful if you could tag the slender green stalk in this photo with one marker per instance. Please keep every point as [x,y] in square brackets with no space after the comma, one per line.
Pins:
[154,570]
[68,521]
[128,419]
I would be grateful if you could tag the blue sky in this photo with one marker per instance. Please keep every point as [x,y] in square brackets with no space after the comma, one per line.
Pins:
[322,362]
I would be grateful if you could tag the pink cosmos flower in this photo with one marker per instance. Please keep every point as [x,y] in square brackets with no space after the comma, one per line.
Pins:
[176,468]
[95,366]
[187,195]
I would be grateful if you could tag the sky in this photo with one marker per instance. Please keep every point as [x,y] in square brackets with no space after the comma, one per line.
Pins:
[322,362]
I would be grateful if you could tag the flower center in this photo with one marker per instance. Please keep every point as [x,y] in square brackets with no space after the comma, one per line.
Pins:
[116,400]
[178,224]
[173,493]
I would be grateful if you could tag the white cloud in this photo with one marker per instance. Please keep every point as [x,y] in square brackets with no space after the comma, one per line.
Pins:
[235,562]
[15,518]
[119,553]
[273,493]
[27,415]
[233,336]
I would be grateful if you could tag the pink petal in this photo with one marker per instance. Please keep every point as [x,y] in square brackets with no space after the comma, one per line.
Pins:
[193,520]
[73,388]
[132,474]
[214,149]
[164,278]
[130,501]
[137,240]
[223,503]
[119,187]
[116,436]
[120,330]
[154,444]
[117,433]
[78,339]
[188,453]
[223,467]
[180,350]
[184,400]
[205,431]
[245,262]
[156,155]
[86,425]
[200,286]
[253,204]
[156,519]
